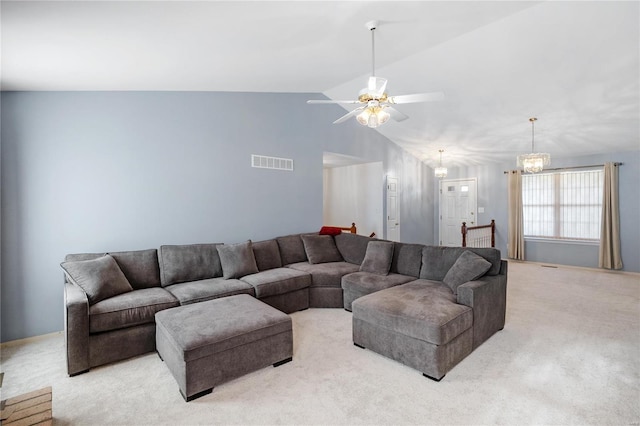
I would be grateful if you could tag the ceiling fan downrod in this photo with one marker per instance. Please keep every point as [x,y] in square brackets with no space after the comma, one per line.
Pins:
[372,25]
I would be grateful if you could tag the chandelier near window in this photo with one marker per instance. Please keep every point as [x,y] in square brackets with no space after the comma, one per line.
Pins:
[440,171]
[534,162]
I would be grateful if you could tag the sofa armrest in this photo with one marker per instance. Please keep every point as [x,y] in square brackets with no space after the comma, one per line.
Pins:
[488,299]
[76,329]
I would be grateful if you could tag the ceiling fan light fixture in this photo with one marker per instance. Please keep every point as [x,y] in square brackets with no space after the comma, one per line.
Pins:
[373,116]
[535,161]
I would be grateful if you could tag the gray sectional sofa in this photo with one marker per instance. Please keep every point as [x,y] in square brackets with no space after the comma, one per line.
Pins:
[111,298]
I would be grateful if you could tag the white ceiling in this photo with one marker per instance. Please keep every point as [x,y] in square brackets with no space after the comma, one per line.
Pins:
[574,65]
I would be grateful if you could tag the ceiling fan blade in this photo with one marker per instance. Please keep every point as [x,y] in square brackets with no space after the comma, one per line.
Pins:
[348,115]
[395,114]
[331,101]
[376,86]
[417,97]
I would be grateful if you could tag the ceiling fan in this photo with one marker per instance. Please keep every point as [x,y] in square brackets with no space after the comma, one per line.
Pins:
[375,104]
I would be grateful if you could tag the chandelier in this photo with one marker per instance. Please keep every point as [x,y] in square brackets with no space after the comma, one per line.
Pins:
[534,162]
[441,172]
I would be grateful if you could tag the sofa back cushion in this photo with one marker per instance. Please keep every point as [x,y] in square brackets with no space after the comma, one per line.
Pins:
[237,260]
[437,260]
[352,247]
[140,267]
[267,254]
[291,249]
[320,249]
[190,262]
[407,259]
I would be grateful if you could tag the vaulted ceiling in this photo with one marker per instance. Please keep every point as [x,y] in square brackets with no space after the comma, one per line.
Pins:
[573,65]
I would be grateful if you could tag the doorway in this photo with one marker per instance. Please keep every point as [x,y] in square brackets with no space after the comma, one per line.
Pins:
[393,213]
[353,193]
[458,203]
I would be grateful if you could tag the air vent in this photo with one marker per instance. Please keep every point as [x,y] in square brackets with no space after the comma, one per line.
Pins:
[275,163]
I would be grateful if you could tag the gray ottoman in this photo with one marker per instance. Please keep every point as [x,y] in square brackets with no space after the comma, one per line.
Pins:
[208,343]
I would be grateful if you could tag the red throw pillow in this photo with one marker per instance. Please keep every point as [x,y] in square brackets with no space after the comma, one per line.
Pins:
[330,230]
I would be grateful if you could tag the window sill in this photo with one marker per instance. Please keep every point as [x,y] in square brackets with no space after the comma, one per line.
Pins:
[562,241]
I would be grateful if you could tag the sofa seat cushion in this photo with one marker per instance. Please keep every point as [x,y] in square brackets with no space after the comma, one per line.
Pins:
[212,288]
[326,274]
[422,309]
[126,310]
[367,282]
[277,281]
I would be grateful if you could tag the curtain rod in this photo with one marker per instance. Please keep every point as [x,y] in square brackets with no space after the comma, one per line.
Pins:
[574,167]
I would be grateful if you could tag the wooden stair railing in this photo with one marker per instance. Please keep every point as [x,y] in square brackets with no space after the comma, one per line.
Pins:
[479,235]
[353,229]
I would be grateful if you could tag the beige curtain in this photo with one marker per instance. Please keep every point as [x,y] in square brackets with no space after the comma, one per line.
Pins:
[610,256]
[516,232]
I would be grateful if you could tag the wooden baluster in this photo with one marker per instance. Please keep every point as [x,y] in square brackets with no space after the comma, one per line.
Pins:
[464,234]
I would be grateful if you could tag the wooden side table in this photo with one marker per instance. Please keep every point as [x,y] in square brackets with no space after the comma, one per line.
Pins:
[33,408]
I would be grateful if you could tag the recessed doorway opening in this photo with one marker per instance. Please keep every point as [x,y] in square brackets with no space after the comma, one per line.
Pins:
[353,193]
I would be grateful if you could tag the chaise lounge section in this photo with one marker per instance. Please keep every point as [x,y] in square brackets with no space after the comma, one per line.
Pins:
[434,322]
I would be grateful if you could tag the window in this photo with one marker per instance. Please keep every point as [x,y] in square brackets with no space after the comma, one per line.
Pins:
[563,205]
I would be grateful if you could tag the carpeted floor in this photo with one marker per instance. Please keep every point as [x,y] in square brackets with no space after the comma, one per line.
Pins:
[569,354]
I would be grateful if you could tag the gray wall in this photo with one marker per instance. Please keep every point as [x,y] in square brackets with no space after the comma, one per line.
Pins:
[492,195]
[108,171]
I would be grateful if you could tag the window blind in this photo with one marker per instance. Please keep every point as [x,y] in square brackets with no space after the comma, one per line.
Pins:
[563,204]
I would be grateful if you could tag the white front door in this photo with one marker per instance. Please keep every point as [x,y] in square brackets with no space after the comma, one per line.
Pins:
[458,203]
[393,210]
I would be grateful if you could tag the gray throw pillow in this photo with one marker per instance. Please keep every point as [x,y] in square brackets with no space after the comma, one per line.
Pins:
[378,257]
[321,249]
[100,278]
[468,267]
[237,260]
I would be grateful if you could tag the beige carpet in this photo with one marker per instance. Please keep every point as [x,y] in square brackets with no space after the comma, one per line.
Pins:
[569,354]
